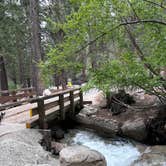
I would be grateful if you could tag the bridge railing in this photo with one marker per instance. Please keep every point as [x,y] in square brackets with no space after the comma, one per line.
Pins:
[55,105]
[16,95]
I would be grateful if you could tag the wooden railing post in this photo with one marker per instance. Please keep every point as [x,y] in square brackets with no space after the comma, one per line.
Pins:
[61,105]
[72,113]
[13,93]
[41,112]
[81,99]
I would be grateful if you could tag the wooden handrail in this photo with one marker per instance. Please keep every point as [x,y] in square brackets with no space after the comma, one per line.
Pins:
[34,100]
[13,96]
[16,90]
[43,107]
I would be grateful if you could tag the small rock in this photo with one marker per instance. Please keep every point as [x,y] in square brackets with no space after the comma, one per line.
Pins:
[57,133]
[56,147]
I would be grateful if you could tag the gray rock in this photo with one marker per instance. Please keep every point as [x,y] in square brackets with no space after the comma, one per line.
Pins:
[100,124]
[135,129]
[81,156]
[89,110]
[56,147]
[154,156]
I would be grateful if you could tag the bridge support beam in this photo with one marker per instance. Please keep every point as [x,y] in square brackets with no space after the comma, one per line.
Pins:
[41,112]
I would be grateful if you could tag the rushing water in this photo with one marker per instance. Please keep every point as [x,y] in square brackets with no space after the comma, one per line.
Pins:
[117,152]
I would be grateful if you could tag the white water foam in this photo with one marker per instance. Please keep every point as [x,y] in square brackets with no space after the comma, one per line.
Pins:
[117,153]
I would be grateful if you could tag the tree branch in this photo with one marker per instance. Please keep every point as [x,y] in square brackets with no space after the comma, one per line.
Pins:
[156,4]
[139,51]
[116,27]
[134,11]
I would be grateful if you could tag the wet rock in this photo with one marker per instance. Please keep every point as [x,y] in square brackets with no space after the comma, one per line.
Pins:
[102,125]
[154,156]
[81,156]
[57,133]
[143,125]
[135,129]
[56,147]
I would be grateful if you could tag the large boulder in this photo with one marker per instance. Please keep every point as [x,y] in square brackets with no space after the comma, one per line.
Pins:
[153,156]
[81,156]
[88,118]
[135,129]
[97,97]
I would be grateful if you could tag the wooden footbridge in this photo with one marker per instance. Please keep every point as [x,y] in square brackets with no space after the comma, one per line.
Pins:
[38,111]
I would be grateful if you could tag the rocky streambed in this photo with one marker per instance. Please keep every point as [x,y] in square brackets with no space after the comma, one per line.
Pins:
[116,151]
[145,126]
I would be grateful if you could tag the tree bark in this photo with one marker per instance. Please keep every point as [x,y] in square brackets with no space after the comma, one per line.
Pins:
[3,75]
[84,62]
[36,46]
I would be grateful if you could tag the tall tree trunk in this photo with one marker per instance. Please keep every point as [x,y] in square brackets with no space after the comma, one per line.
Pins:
[3,75]
[21,68]
[63,79]
[84,62]
[36,46]
[56,78]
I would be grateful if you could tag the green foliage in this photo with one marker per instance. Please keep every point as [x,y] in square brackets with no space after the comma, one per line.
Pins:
[96,22]
[12,86]
[13,38]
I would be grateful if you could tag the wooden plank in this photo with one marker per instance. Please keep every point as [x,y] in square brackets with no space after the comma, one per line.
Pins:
[17,90]
[56,94]
[49,109]
[51,105]
[76,95]
[66,99]
[50,116]
[34,111]
[5,99]
[87,102]
[14,104]
[47,106]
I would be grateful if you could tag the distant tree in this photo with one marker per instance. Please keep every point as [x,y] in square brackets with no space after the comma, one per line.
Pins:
[3,75]
[36,46]
[14,41]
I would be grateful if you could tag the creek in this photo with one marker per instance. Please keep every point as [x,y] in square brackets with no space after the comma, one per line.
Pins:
[117,151]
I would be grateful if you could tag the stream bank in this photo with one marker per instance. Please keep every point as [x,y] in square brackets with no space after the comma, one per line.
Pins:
[146,126]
